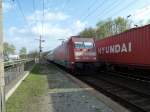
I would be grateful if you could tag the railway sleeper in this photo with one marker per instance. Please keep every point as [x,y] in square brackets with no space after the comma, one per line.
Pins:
[131,97]
[147,108]
[144,103]
[141,102]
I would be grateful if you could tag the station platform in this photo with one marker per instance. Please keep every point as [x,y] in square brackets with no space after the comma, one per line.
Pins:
[68,96]
[63,93]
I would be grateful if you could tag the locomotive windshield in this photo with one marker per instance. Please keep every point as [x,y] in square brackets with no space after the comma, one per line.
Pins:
[84,45]
[79,45]
[88,45]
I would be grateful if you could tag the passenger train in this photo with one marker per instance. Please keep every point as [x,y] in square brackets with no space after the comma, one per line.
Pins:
[76,54]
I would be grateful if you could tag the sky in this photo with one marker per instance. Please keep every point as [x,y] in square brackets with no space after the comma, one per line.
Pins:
[24,22]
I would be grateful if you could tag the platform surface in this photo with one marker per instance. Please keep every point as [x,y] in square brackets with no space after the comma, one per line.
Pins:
[49,89]
[65,95]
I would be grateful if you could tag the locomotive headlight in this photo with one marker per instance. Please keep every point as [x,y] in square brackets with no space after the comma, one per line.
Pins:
[84,50]
[78,53]
[72,62]
[77,58]
[94,58]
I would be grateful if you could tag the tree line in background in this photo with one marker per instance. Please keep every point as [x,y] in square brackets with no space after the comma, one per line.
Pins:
[108,27]
[9,49]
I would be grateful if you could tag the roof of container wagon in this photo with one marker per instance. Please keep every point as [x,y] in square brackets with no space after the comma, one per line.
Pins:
[132,29]
[78,39]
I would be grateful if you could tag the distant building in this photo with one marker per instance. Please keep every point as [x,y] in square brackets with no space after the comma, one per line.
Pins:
[13,57]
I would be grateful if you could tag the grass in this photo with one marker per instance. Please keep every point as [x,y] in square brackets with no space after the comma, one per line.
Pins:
[33,87]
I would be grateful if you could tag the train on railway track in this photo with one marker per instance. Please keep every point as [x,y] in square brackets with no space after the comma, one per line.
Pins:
[77,54]
[129,49]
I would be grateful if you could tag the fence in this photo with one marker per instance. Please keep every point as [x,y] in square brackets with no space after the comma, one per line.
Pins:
[15,70]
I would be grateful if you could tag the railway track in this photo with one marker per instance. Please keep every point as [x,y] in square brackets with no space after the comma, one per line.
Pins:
[128,80]
[132,92]
[134,99]
[135,76]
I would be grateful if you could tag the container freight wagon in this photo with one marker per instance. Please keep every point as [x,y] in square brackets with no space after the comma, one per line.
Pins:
[76,54]
[130,48]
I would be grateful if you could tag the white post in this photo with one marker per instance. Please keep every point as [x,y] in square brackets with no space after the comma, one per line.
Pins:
[2,81]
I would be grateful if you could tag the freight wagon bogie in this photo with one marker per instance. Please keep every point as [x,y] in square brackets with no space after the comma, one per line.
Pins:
[115,67]
[107,66]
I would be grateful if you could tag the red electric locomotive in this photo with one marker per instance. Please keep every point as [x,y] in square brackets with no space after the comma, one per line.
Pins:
[130,48]
[77,54]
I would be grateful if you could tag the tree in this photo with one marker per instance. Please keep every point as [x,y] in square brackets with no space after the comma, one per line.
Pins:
[88,32]
[107,28]
[104,28]
[121,25]
[110,27]
[148,22]
[8,49]
[23,52]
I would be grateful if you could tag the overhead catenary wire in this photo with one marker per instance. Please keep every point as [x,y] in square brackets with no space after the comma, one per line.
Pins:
[43,16]
[36,18]
[22,13]
[65,4]
[144,8]
[94,10]
[34,8]
[89,7]
[106,12]
[123,8]
[114,4]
